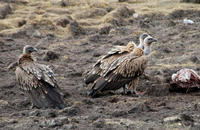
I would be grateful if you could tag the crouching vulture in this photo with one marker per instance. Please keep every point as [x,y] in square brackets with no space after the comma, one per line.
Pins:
[38,81]
[105,61]
[124,70]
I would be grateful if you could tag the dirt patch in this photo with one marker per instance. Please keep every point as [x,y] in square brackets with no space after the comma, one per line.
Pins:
[72,46]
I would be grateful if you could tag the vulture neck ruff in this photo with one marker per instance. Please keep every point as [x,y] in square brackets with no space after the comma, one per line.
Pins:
[25,58]
[138,52]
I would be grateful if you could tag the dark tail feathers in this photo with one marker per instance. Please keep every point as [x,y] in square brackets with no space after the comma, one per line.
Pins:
[91,78]
[47,97]
[99,85]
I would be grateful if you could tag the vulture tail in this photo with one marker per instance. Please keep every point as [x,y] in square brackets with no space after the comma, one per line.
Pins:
[91,78]
[46,97]
[99,85]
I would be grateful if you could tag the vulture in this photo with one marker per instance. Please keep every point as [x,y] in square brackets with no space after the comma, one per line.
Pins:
[124,70]
[38,82]
[105,61]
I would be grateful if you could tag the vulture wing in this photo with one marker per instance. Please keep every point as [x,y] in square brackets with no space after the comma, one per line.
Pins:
[39,83]
[122,71]
[105,61]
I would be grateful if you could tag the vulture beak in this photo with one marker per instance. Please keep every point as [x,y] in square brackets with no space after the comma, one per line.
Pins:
[154,40]
[34,49]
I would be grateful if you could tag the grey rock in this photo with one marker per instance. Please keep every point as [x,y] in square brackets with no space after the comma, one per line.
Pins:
[68,126]
[36,34]
[123,11]
[48,113]
[194,59]
[172,119]
[105,29]
[184,119]
[99,123]
[5,10]
[119,113]
[88,101]
[75,29]
[70,111]
[141,107]
[35,113]
[21,23]
[59,121]
[63,22]
[50,55]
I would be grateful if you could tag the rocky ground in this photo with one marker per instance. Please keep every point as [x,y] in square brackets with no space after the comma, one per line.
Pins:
[71,35]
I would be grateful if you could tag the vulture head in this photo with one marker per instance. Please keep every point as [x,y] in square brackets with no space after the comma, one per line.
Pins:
[147,44]
[142,37]
[29,49]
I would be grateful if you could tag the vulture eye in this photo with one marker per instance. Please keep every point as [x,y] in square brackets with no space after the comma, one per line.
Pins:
[144,36]
[30,49]
[150,39]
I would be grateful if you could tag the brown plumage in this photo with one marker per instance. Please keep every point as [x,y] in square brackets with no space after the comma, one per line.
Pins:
[105,61]
[38,82]
[124,70]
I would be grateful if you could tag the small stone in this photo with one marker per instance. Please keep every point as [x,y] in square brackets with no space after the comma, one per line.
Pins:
[114,100]
[35,113]
[64,3]
[63,22]
[194,59]
[36,34]
[59,121]
[99,123]
[5,10]
[88,101]
[49,113]
[141,107]
[123,11]
[12,121]
[105,29]
[171,23]
[3,103]
[70,111]
[172,119]
[21,23]
[75,29]
[166,50]
[68,126]
[50,55]
[96,54]
[184,119]
[119,113]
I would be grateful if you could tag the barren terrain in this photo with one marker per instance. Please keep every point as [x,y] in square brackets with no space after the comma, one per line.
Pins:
[71,35]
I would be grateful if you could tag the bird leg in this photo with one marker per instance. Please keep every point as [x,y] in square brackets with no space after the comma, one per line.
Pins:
[187,89]
[125,90]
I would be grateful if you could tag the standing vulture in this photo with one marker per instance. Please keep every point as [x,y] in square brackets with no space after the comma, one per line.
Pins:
[124,70]
[105,61]
[38,81]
